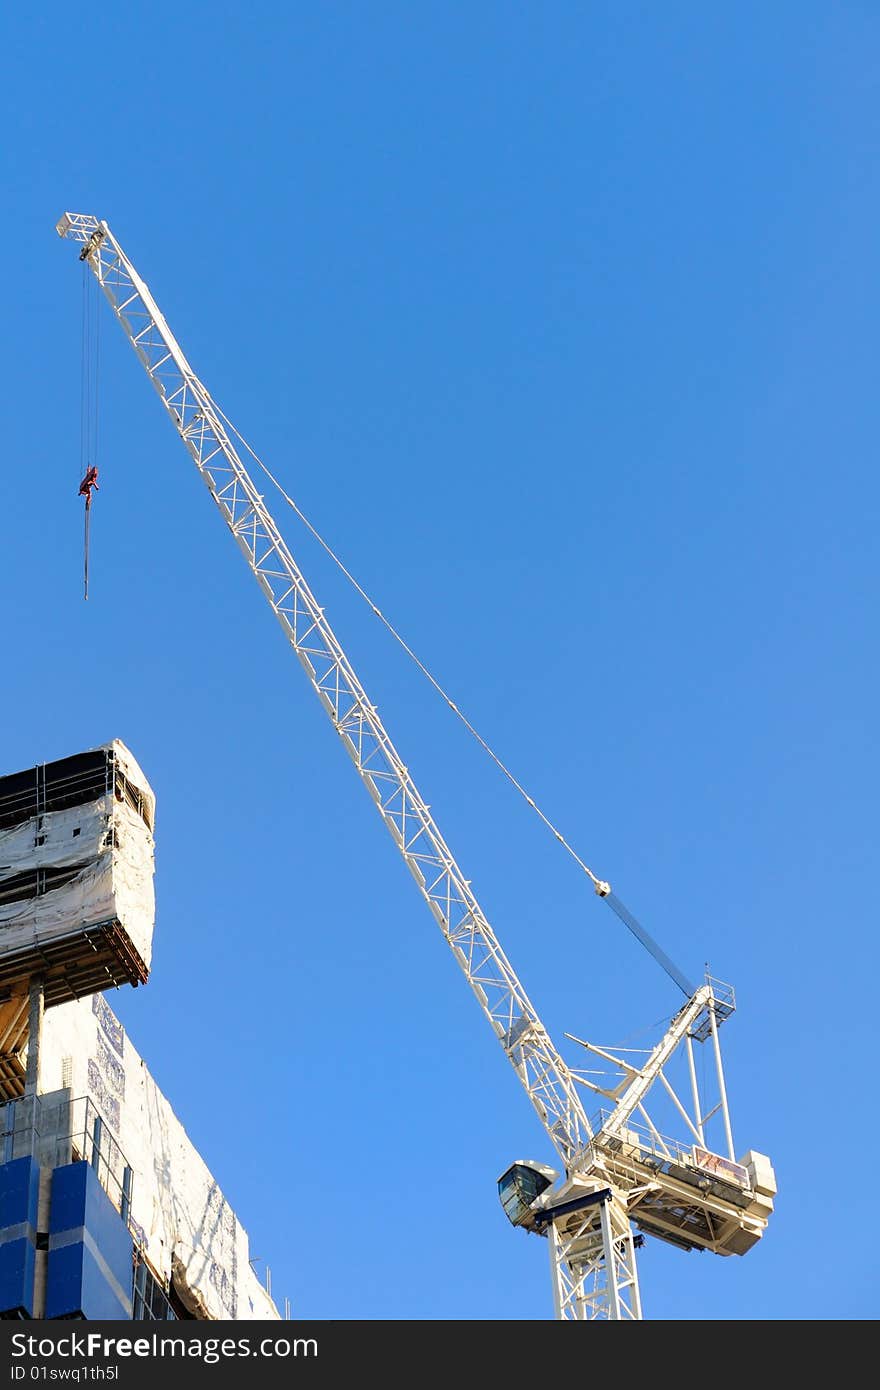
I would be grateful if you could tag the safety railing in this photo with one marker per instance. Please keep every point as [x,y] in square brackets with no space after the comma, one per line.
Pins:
[56,1131]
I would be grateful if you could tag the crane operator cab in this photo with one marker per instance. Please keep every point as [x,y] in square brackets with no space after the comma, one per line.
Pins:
[520,1186]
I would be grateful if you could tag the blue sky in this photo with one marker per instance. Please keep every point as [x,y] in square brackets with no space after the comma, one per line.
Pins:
[560,322]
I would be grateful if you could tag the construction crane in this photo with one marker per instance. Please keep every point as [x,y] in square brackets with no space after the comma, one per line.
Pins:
[617,1171]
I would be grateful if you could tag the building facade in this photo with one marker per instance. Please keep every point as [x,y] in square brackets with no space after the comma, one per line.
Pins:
[107,1211]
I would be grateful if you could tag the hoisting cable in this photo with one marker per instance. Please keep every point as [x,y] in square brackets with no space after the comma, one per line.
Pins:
[602,888]
[88,513]
[83,360]
[88,410]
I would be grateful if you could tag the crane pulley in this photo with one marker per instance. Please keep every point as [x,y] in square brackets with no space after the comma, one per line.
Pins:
[612,1175]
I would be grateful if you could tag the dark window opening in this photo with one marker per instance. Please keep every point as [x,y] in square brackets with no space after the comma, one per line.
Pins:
[150,1300]
[35,882]
[66,783]
[54,786]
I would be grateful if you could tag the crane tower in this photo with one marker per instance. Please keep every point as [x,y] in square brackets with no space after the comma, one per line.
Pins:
[618,1170]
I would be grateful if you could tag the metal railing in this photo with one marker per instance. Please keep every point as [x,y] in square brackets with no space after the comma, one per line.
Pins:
[54,1132]
[657,1150]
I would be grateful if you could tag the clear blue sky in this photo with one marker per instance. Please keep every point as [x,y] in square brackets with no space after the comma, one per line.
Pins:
[561,322]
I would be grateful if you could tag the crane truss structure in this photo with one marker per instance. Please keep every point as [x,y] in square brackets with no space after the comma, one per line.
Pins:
[591,1241]
[630,1174]
[593,1262]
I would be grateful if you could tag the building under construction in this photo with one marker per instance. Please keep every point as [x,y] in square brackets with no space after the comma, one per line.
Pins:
[106,1209]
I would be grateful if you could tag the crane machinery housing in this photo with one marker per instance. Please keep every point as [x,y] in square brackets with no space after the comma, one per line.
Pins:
[618,1171]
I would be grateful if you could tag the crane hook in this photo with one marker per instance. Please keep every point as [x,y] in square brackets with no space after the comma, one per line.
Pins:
[85,490]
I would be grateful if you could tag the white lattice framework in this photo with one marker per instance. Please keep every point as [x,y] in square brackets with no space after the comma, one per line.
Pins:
[593,1265]
[513,1018]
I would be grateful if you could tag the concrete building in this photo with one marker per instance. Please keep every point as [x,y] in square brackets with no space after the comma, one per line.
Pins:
[107,1211]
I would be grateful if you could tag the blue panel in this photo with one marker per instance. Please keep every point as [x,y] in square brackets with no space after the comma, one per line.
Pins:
[104,1298]
[111,1236]
[64,1297]
[90,1249]
[17,1278]
[19,1190]
[68,1207]
[77,1286]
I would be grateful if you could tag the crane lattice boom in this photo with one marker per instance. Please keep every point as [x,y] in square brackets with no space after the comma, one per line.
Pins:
[542,1071]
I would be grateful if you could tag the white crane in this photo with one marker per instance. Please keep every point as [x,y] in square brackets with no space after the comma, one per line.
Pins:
[616,1172]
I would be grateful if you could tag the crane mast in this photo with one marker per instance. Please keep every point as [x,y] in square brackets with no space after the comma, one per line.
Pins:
[407,817]
[618,1170]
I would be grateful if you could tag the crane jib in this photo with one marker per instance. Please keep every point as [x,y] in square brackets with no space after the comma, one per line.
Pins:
[547,1079]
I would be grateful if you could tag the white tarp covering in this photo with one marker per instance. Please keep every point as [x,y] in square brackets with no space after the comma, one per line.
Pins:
[113,846]
[183,1220]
